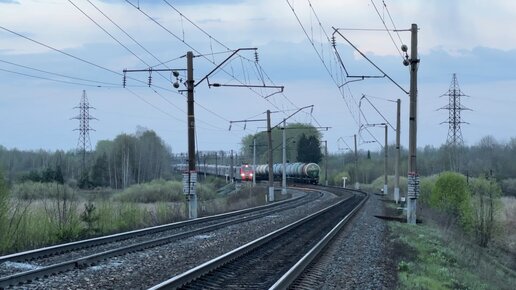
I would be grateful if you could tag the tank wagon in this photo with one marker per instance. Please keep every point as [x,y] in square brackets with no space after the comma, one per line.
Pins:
[295,172]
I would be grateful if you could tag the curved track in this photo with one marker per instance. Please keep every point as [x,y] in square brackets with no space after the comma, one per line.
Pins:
[274,260]
[55,259]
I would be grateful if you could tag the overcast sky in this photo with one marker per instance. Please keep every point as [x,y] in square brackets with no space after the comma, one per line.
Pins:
[85,45]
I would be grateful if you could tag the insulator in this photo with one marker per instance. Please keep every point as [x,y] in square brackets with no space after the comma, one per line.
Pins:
[150,80]
[333,42]
[256,56]
[123,82]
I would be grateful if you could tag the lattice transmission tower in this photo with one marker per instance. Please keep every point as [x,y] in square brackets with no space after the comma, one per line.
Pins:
[84,117]
[454,140]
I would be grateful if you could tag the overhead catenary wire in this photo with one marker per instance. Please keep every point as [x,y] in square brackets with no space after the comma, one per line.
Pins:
[134,54]
[76,57]
[60,75]
[387,29]
[336,79]
[56,80]
[89,63]
[260,71]
[113,37]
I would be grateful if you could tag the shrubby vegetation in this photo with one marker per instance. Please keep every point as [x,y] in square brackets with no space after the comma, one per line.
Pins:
[154,191]
[46,197]
[473,205]
[127,160]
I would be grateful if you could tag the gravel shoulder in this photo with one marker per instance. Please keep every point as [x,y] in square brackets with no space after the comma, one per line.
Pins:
[360,256]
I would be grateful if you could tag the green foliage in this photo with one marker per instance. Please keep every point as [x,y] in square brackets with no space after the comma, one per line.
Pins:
[293,132]
[4,207]
[90,217]
[485,208]
[33,175]
[100,171]
[47,175]
[206,191]
[154,191]
[337,178]
[426,185]
[61,209]
[430,259]
[449,192]
[84,181]
[309,149]
[30,190]
[451,195]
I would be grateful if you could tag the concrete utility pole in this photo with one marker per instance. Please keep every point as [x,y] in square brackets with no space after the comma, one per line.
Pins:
[231,168]
[284,171]
[357,184]
[385,187]
[398,154]
[325,163]
[413,178]
[269,137]
[192,174]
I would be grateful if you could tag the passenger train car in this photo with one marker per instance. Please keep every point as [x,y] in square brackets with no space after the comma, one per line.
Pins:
[295,172]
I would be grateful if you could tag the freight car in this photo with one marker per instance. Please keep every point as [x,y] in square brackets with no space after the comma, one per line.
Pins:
[295,172]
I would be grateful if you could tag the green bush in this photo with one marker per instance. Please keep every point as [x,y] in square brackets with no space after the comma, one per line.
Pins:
[426,186]
[485,208]
[30,190]
[154,191]
[337,178]
[451,195]
[4,206]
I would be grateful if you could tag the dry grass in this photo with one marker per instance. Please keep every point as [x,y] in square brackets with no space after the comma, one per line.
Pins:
[508,223]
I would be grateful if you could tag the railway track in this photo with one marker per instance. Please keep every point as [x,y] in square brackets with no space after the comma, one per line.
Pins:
[274,260]
[60,258]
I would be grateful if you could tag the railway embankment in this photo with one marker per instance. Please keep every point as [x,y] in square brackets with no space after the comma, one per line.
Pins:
[434,256]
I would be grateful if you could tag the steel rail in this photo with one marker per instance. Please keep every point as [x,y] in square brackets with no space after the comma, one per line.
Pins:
[62,248]
[205,268]
[291,275]
[22,277]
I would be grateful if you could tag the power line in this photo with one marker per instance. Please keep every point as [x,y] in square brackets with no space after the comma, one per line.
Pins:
[127,34]
[73,56]
[386,29]
[321,58]
[392,22]
[55,80]
[57,74]
[260,69]
[246,78]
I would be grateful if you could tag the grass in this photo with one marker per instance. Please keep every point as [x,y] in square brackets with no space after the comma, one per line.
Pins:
[36,218]
[430,258]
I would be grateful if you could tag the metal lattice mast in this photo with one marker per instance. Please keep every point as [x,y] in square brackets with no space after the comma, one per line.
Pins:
[84,117]
[454,107]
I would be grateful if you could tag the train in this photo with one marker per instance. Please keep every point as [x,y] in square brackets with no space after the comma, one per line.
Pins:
[295,172]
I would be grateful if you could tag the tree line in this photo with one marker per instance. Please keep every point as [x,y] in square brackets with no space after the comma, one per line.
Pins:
[126,160]
[487,158]
[143,156]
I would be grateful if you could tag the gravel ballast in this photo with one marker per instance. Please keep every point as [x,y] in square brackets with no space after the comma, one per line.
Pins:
[356,260]
[359,256]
